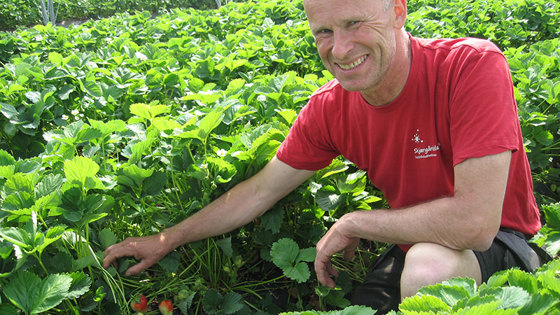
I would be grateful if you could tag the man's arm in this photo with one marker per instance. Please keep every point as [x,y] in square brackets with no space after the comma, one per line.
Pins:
[469,219]
[239,206]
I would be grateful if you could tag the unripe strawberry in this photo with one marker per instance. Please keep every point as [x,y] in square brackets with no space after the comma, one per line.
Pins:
[166,307]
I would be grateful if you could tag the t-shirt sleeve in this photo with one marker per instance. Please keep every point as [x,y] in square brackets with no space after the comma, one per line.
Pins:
[307,145]
[483,111]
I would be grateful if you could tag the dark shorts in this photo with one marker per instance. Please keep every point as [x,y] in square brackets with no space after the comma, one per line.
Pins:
[380,289]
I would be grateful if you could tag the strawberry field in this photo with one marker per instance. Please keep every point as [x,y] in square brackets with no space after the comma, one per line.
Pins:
[127,125]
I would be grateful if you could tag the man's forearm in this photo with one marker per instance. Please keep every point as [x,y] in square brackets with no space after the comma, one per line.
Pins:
[467,220]
[235,208]
[443,221]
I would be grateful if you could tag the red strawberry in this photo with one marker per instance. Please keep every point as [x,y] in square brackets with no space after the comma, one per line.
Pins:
[140,304]
[166,307]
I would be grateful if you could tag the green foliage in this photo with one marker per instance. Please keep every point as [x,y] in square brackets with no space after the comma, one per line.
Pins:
[287,255]
[124,126]
[506,292]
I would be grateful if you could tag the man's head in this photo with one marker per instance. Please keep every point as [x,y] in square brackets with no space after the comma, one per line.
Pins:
[360,41]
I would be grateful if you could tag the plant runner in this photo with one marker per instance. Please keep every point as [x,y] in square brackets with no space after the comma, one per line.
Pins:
[433,122]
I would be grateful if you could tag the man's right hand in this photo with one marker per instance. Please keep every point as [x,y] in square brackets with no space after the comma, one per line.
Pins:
[148,250]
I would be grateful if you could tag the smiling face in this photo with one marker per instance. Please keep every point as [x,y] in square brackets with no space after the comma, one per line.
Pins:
[361,43]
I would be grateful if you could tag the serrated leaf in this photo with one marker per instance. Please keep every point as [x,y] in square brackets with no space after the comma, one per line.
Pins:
[225,246]
[6,158]
[272,219]
[424,303]
[17,236]
[48,185]
[232,303]
[300,272]
[523,279]
[448,294]
[80,285]
[212,301]
[171,261]
[80,169]
[474,301]
[540,303]
[284,252]
[154,184]
[107,237]
[307,254]
[510,297]
[357,310]
[33,295]
[485,309]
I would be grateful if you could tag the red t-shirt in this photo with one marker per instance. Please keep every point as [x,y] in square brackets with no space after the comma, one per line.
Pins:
[458,103]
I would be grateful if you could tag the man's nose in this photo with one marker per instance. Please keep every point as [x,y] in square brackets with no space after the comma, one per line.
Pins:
[342,45]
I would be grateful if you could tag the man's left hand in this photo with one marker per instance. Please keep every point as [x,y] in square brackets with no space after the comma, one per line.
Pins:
[336,240]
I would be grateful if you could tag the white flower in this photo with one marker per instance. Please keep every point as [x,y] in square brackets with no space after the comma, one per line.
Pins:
[64,117]
[74,112]
[204,165]
[34,218]
[221,153]
[17,252]
[261,98]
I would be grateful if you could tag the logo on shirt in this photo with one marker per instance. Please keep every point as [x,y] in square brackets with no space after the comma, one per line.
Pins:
[421,150]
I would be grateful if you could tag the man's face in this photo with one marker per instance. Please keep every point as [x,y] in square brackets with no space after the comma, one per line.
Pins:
[355,40]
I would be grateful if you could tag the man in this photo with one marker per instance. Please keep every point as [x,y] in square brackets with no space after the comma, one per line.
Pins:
[434,123]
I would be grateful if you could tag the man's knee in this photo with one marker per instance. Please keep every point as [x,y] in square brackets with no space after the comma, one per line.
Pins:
[428,263]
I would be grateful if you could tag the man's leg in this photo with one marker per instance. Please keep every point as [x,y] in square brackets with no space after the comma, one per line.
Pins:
[428,263]
[380,289]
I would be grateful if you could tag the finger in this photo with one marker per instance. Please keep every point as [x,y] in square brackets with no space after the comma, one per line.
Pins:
[116,251]
[138,268]
[323,269]
[350,251]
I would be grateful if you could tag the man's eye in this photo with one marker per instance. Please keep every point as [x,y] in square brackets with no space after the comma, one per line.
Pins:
[352,23]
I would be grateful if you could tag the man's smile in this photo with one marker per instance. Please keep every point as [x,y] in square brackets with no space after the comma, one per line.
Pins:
[353,64]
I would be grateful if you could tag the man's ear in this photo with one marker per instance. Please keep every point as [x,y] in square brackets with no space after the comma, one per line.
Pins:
[400,12]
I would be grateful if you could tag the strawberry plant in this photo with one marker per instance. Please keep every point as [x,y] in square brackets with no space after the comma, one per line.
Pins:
[124,126]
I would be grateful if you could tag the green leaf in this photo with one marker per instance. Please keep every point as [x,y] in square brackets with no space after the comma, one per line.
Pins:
[19,183]
[300,272]
[424,303]
[212,301]
[232,303]
[80,169]
[141,110]
[48,185]
[17,236]
[154,184]
[6,159]
[171,261]
[485,309]
[225,246]
[540,303]
[510,297]
[133,176]
[357,310]
[272,219]
[33,295]
[523,279]
[284,252]
[80,285]
[328,199]
[107,237]
[307,254]
[448,294]
[552,214]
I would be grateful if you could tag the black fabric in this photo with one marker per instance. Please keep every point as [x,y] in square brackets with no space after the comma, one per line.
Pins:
[380,289]
[510,249]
